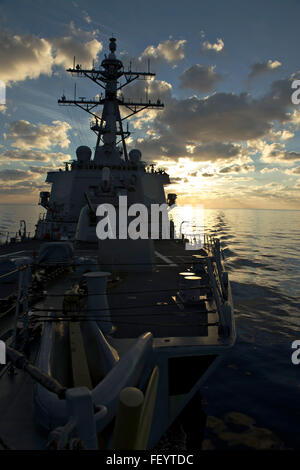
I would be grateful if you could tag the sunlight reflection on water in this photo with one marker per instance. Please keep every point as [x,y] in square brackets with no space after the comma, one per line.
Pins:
[257,383]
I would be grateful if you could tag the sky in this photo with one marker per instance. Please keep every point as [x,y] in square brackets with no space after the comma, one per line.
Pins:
[229,134]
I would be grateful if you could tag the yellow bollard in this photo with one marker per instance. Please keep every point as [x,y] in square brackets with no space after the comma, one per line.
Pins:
[134,416]
[147,411]
[128,419]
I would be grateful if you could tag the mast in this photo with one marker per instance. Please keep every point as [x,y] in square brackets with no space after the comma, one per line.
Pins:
[109,126]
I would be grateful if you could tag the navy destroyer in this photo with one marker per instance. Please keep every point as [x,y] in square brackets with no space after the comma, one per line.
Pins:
[109,338]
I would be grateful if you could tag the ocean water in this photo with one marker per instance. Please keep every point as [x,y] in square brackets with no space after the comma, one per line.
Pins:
[253,397]
[11,214]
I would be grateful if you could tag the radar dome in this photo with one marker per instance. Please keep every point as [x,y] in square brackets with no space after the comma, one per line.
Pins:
[135,155]
[83,153]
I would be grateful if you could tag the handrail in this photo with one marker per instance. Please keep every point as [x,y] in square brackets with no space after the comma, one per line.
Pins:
[21,268]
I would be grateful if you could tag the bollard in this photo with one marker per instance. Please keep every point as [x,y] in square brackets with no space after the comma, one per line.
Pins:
[147,411]
[128,416]
[182,277]
[190,289]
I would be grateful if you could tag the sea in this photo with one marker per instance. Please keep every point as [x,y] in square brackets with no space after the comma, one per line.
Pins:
[252,399]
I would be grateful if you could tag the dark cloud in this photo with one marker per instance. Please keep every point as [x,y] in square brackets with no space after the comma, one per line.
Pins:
[175,179]
[216,124]
[217,151]
[294,171]
[32,155]
[260,68]
[152,89]
[201,78]
[14,175]
[290,156]
[222,117]
[41,170]
[237,169]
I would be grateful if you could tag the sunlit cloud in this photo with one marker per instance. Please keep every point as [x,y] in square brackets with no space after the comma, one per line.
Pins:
[217,46]
[276,153]
[269,170]
[25,135]
[29,56]
[171,51]
[293,171]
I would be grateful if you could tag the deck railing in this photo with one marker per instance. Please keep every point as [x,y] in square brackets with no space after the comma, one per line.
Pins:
[24,278]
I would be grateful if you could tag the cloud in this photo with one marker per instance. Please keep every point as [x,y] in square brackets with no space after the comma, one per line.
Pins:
[276,153]
[171,51]
[269,170]
[14,175]
[25,135]
[295,119]
[144,90]
[221,117]
[41,170]
[237,169]
[79,43]
[167,146]
[217,47]
[223,127]
[286,134]
[33,155]
[21,182]
[86,17]
[217,151]
[201,78]
[293,171]
[153,88]
[23,57]
[29,56]
[22,188]
[260,68]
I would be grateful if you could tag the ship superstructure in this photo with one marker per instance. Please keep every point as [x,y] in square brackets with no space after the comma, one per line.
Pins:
[111,164]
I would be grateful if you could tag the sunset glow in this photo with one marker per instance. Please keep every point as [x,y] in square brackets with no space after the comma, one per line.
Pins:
[229,132]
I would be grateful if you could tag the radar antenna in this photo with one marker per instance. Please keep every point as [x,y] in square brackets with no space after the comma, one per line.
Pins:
[112,78]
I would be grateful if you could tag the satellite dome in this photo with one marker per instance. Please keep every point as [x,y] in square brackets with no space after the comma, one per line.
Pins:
[83,153]
[135,155]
